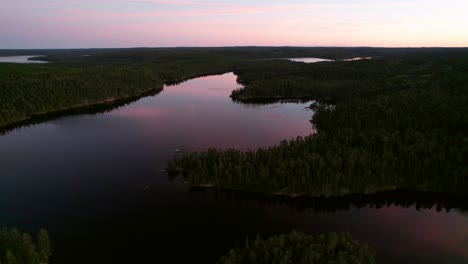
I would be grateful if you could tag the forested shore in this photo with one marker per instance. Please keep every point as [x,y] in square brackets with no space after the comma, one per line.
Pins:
[31,90]
[397,121]
[84,77]
[393,123]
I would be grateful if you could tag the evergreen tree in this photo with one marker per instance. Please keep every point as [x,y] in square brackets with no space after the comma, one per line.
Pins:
[10,258]
[43,244]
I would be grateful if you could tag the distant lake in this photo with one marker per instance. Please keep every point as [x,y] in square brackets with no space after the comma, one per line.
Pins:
[21,59]
[314,60]
[308,60]
[358,58]
[95,182]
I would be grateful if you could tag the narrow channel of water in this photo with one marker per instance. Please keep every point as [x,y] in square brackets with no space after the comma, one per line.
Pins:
[94,182]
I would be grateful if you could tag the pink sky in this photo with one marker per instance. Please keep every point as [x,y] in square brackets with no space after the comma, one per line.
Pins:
[131,23]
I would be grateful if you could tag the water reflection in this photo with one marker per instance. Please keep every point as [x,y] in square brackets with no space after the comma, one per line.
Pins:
[199,114]
[403,226]
[95,182]
[266,101]
[86,110]
[405,199]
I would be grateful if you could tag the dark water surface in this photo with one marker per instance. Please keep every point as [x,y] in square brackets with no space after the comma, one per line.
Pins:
[94,182]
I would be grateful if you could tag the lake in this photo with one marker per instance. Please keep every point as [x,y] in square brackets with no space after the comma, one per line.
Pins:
[95,182]
[314,60]
[21,59]
[308,60]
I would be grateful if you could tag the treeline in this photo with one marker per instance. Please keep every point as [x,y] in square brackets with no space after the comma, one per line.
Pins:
[31,89]
[338,81]
[130,55]
[297,247]
[17,248]
[27,90]
[395,124]
[88,76]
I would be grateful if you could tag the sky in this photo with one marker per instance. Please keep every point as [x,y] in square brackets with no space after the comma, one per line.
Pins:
[167,23]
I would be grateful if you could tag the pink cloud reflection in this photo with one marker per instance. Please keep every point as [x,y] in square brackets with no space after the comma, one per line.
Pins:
[428,229]
[140,112]
[219,86]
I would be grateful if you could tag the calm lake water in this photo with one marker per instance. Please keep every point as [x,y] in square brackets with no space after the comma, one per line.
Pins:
[314,60]
[308,60]
[95,182]
[21,59]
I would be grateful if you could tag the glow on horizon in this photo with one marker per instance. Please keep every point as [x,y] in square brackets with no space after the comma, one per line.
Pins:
[153,23]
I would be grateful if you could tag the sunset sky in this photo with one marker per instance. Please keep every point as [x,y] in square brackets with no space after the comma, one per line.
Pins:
[151,23]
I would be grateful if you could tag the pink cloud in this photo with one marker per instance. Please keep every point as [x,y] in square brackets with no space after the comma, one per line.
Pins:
[221,9]
[106,23]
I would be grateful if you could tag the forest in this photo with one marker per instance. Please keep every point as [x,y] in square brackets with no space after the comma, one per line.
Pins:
[20,248]
[397,121]
[71,83]
[389,123]
[390,130]
[297,247]
[83,77]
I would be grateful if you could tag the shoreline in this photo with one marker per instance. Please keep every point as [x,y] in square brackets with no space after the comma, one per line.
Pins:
[286,194]
[108,102]
[278,98]
[212,185]
[421,200]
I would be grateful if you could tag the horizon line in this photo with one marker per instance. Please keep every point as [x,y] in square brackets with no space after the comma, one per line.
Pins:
[244,46]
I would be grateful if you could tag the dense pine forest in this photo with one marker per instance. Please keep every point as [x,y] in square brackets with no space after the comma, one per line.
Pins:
[397,121]
[393,122]
[17,248]
[392,130]
[297,247]
[81,77]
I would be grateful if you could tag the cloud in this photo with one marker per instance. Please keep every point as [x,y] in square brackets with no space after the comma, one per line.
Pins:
[255,22]
[78,14]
